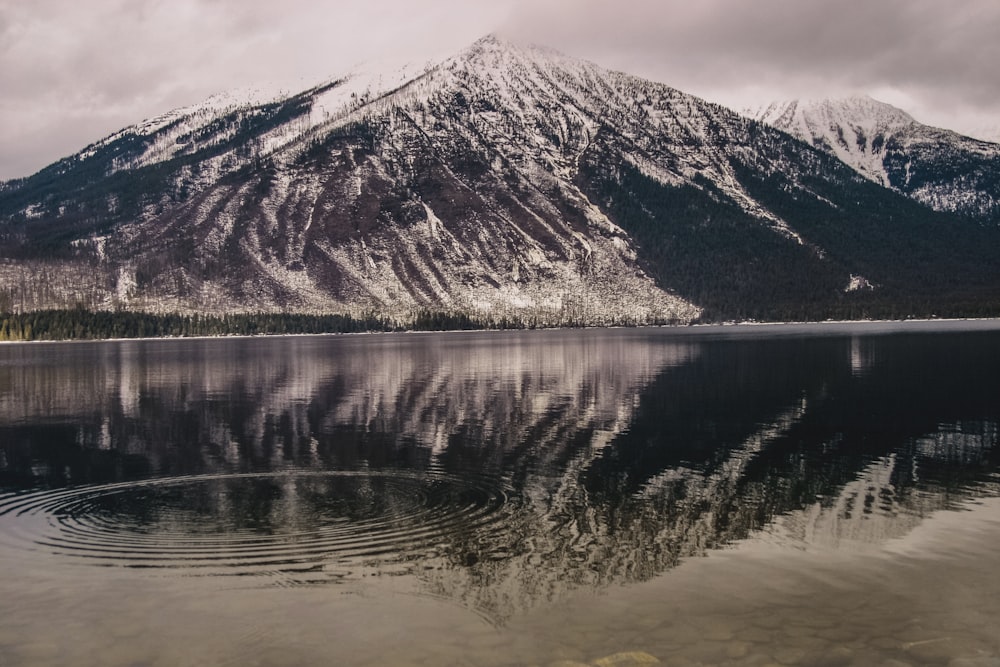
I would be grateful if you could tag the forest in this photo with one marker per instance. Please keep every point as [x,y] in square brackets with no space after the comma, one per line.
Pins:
[694,240]
[83,324]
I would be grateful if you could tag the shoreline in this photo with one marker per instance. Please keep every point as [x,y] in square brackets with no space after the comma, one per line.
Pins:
[927,325]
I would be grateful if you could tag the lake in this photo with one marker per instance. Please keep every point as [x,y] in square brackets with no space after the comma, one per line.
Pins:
[747,495]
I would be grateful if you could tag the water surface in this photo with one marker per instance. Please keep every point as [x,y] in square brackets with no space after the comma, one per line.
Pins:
[734,495]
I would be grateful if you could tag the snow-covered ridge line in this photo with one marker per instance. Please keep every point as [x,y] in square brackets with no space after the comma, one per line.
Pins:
[939,168]
[328,99]
[854,129]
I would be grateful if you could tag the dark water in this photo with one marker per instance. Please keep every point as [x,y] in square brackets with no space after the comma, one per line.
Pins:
[751,495]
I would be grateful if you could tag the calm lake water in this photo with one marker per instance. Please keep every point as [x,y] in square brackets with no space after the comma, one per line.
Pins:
[791,495]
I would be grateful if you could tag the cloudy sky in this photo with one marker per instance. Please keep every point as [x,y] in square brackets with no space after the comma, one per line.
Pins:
[73,71]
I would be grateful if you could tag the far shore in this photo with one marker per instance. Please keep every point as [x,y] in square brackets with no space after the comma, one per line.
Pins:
[824,327]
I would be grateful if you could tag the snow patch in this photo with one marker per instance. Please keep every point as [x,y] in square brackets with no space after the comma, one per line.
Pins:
[858,283]
[125,286]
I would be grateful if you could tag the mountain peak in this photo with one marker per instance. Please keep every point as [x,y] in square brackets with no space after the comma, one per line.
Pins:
[802,116]
[863,109]
[498,41]
[886,145]
[493,40]
[497,51]
[854,128]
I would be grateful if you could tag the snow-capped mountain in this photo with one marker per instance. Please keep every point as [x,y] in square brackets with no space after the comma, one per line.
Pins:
[939,168]
[507,182]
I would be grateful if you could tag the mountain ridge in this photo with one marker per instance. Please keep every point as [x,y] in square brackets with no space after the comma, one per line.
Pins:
[940,168]
[506,182]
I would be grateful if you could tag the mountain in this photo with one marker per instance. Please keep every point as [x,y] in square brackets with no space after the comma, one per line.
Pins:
[939,168]
[508,182]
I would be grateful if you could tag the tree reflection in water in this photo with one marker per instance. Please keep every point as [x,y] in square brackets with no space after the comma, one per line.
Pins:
[500,469]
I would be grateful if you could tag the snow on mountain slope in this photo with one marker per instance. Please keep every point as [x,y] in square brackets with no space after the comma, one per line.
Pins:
[939,168]
[231,130]
[395,203]
[854,129]
[182,132]
[507,182]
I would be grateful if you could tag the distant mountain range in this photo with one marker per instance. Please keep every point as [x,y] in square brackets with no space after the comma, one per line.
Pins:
[939,168]
[512,184]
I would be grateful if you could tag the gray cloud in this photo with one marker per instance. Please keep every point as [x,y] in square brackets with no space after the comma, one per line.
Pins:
[940,57]
[72,72]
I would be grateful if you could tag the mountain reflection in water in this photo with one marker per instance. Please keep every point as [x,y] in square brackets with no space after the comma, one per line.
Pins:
[501,470]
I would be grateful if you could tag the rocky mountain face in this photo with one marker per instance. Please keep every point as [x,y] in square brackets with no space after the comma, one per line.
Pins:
[939,168]
[507,182]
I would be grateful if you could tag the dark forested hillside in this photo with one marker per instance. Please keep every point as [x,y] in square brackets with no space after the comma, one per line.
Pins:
[914,261]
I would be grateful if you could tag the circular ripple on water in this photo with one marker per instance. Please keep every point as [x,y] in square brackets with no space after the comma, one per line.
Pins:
[257,523]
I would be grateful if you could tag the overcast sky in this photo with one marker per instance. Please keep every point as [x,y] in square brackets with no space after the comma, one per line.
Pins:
[74,71]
